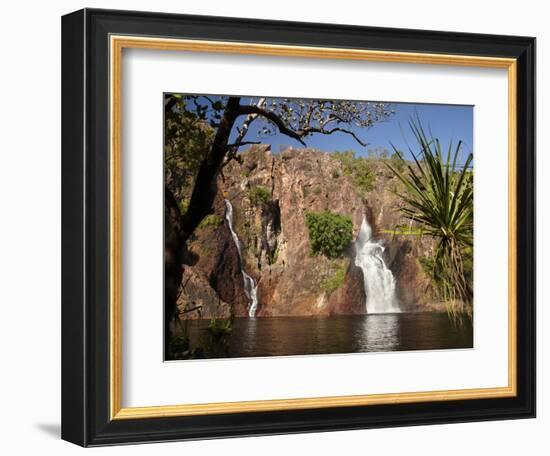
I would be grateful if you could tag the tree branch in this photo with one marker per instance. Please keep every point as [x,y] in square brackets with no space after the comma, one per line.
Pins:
[184,311]
[349,132]
[169,104]
[273,118]
[333,130]
[242,143]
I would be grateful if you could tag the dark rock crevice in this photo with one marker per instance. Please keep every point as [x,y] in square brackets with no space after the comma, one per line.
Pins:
[271,229]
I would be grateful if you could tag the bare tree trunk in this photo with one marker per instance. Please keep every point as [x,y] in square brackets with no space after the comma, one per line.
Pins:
[172,263]
[205,188]
[179,228]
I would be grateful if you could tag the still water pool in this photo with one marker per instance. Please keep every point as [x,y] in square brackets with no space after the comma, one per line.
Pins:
[279,336]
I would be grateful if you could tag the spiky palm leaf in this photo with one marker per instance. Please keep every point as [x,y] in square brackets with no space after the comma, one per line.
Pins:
[439,196]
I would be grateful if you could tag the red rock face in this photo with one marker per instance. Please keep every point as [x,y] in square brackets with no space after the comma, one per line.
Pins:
[414,288]
[275,240]
[350,298]
[212,256]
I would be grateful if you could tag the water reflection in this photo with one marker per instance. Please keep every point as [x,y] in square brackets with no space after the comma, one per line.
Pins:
[249,339]
[281,336]
[381,333]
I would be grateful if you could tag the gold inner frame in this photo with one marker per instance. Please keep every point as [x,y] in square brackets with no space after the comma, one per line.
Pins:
[117,44]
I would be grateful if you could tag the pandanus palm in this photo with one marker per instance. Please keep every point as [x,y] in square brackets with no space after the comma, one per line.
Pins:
[439,196]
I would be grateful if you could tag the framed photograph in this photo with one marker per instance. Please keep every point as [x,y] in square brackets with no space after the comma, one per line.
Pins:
[278,227]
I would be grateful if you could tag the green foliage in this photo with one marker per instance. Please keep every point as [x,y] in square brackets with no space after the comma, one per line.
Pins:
[317,190]
[378,153]
[211,220]
[336,280]
[183,204]
[259,196]
[329,233]
[404,230]
[358,169]
[428,265]
[396,162]
[187,139]
[215,340]
[439,196]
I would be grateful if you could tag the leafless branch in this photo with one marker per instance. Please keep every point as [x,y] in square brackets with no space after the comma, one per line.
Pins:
[242,143]
[185,311]
[334,130]
[273,118]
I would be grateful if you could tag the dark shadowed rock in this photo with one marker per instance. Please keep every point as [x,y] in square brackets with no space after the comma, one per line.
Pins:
[198,299]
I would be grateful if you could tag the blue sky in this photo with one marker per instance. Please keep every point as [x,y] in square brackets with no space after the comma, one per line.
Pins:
[445,122]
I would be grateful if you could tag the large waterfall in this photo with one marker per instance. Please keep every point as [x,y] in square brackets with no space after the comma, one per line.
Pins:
[250,285]
[378,279]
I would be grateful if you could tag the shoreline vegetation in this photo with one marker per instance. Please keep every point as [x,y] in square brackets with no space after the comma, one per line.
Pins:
[297,217]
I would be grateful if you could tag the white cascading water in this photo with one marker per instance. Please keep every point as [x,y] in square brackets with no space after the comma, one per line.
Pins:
[250,285]
[378,279]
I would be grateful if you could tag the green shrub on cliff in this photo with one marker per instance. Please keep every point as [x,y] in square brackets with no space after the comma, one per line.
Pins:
[259,195]
[358,169]
[212,220]
[329,233]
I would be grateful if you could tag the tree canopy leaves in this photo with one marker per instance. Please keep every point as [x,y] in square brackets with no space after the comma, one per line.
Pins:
[187,140]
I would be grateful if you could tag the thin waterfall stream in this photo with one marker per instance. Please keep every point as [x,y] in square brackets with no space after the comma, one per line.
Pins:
[250,285]
[378,279]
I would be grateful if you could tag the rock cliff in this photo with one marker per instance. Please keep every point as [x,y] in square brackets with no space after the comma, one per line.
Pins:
[270,194]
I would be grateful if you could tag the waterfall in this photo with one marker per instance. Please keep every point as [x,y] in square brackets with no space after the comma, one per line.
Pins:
[250,285]
[378,279]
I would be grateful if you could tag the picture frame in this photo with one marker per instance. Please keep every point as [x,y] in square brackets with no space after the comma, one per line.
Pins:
[92,45]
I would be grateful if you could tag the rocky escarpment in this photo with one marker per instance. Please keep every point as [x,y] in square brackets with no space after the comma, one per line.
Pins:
[270,194]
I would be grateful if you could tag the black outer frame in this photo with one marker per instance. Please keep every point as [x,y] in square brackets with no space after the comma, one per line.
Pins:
[85,227]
